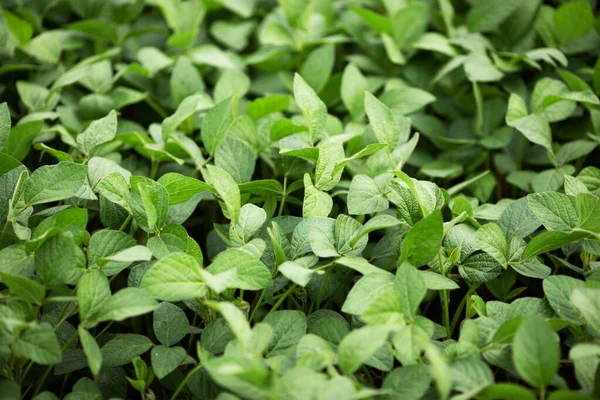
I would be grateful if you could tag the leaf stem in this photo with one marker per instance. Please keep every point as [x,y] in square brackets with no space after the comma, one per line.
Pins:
[284,196]
[47,372]
[185,380]
[258,304]
[154,169]
[282,298]
[124,224]
[444,299]
[460,307]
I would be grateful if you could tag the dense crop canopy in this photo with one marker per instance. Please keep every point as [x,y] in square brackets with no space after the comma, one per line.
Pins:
[299,199]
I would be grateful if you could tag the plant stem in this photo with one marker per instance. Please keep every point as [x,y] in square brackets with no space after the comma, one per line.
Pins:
[444,298]
[154,169]
[258,304]
[283,196]
[47,372]
[124,224]
[282,298]
[185,380]
[479,105]
[3,233]
[104,330]
[460,307]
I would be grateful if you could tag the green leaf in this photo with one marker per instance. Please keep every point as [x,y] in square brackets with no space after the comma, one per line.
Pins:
[408,382]
[226,188]
[174,278]
[491,239]
[19,140]
[536,351]
[558,290]
[423,241]
[24,288]
[409,23]
[186,108]
[38,343]
[61,247]
[471,374]
[289,327]
[588,211]
[93,291]
[316,202]
[54,182]
[170,324]
[216,124]
[486,16]
[534,127]
[365,196]
[313,109]
[126,303]
[366,291]
[123,348]
[91,350]
[384,124]
[318,66]
[166,359]
[180,187]
[4,124]
[586,301]
[250,272]
[236,158]
[508,391]
[329,155]
[411,287]
[149,203]
[556,211]
[573,20]
[251,220]
[353,88]
[99,131]
[359,345]
[548,241]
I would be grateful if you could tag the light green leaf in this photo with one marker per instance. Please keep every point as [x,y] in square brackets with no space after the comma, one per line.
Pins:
[226,188]
[38,343]
[149,203]
[558,290]
[491,239]
[536,351]
[423,241]
[317,67]
[251,273]
[313,109]
[573,20]
[91,350]
[359,345]
[556,211]
[126,303]
[289,326]
[384,124]
[316,202]
[170,323]
[411,287]
[587,301]
[166,359]
[365,197]
[24,288]
[216,123]
[123,348]
[93,291]
[54,182]
[174,278]
[353,88]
